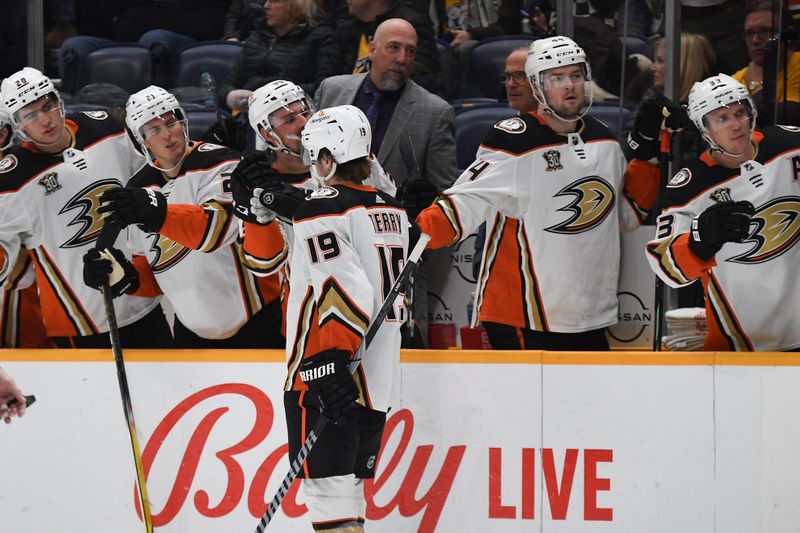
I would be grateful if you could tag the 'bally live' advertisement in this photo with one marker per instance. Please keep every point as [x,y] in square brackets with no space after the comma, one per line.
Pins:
[477,442]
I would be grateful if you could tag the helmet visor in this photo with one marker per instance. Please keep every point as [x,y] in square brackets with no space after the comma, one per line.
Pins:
[169,121]
[728,116]
[47,105]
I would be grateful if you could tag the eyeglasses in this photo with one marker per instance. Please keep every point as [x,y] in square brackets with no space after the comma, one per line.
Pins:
[763,33]
[152,131]
[30,117]
[518,76]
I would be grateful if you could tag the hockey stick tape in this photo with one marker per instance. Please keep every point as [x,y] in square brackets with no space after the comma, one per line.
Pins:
[116,269]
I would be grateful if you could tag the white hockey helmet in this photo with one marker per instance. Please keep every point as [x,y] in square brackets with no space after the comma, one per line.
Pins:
[266,100]
[715,92]
[343,130]
[6,124]
[147,104]
[550,53]
[25,87]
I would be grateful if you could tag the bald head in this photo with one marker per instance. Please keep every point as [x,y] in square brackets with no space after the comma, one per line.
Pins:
[395,27]
[392,53]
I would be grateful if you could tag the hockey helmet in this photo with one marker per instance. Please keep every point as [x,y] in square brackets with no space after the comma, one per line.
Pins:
[264,101]
[713,93]
[550,53]
[25,87]
[343,130]
[147,104]
[5,124]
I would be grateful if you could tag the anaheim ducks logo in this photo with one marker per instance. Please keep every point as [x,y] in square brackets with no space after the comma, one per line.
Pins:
[777,230]
[88,220]
[593,201]
[168,253]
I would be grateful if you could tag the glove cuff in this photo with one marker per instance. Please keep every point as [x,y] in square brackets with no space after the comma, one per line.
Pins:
[702,250]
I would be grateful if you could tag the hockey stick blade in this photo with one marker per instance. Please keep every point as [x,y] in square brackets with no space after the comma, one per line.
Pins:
[321,422]
[108,234]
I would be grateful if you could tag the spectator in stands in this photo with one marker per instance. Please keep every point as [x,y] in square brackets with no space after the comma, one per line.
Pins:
[720,21]
[295,48]
[243,17]
[603,46]
[467,22]
[760,24]
[413,131]
[180,213]
[697,63]
[355,34]
[10,391]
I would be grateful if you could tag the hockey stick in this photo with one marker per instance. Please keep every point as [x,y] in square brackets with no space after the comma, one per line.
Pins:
[105,240]
[322,421]
[664,155]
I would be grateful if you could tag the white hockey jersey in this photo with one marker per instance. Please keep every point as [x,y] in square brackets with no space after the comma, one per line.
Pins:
[350,243]
[21,323]
[195,257]
[48,205]
[752,288]
[568,192]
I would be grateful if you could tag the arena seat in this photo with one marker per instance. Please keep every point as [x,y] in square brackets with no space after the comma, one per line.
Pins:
[483,64]
[217,57]
[199,122]
[126,65]
[448,59]
[472,126]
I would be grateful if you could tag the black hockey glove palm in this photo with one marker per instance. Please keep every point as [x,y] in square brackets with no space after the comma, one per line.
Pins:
[281,198]
[126,206]
[720,223]
[328,378]
[654,115]
[416,195]
[112,267]
[253,171]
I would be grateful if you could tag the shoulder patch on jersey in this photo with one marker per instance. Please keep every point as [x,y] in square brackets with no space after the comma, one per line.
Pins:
[680,179]
[511,125]
[209,147]
[8,163]
[794,129]
[97,115]
[324,192]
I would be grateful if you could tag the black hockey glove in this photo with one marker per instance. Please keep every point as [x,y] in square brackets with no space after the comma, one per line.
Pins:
[112,267]
[328,378]
[654,115]
[416,195]
[126,206]
[281,198]
[253,171]
[720,223]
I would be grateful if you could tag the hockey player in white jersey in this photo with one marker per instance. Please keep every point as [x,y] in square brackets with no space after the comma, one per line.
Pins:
[350,242]
[21,323]
[278,112]
[734,223]
[178,211]
[49,194]
[562,173]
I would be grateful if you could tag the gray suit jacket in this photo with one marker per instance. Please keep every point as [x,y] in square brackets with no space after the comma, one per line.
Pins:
[420,141]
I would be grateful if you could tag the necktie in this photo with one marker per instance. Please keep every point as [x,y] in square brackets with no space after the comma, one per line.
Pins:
[374,110]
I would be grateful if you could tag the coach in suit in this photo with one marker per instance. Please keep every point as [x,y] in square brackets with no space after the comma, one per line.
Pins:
[413,131]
